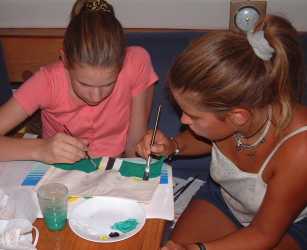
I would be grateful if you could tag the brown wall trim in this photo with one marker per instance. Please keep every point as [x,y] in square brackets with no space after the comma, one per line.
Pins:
[37,32]
[59,32]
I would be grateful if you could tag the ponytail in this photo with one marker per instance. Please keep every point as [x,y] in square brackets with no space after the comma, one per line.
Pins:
[223,69]
[287,72]
[94,36]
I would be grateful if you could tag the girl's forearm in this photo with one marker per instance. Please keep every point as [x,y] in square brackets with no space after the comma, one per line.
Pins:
[19,148]
[189,145]
[246,238]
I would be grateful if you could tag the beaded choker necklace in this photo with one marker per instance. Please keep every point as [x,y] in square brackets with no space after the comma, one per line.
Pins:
[240,145]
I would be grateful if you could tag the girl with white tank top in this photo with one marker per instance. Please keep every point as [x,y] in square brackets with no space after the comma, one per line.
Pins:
[242,191]
[239,94]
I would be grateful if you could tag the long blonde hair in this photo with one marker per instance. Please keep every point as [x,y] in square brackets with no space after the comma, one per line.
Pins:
[224,71]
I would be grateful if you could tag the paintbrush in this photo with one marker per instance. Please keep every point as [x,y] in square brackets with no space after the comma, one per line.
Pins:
[183,188]
[148,161]
[67,131]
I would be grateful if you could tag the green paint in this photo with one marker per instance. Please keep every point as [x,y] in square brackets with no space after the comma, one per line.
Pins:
[127,168]
[55,218]
[125,226]
[133,169]
[83,165]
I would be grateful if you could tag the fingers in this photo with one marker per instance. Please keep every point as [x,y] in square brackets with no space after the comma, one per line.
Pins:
[143,147]
[79,144]
[63,148]
[170,245]
[84,141]
[67,153]
[73,149]
[159,148]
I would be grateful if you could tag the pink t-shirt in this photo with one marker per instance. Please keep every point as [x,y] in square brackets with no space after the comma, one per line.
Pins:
[105,125]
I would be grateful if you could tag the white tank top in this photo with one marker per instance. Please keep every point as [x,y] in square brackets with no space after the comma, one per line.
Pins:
[243,192]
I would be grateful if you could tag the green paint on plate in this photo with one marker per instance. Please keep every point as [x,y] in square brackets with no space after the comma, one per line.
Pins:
[126,225]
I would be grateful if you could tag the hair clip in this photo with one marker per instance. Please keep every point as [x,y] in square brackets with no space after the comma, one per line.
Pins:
[99,5]
[260,45]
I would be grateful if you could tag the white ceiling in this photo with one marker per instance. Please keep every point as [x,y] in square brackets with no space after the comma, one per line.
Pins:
[198,14]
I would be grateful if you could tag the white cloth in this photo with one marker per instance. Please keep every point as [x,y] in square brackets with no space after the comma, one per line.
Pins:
[100,183]
[14,173]
[243,192]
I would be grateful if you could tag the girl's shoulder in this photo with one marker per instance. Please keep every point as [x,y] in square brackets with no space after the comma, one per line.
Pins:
[137,61]
[136,53]
[293,140]
[298,122]
[55,74]
[54,68]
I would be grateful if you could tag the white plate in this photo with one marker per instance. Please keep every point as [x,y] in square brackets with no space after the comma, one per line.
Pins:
[92,219]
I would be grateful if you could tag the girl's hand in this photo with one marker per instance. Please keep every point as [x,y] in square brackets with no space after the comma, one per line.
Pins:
[170,245]
[61,148]
[163,146]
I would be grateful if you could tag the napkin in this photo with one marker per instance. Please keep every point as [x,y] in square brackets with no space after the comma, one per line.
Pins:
[18,211]
[16,234]
[18,203]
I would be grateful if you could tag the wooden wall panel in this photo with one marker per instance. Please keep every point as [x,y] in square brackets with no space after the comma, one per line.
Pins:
[27,49]
[27,54]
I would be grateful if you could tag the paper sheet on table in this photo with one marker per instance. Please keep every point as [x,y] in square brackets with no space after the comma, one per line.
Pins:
[14,173]
[99,183]
[161,206]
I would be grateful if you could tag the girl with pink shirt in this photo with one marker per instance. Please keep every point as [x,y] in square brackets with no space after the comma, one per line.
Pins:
[96,99]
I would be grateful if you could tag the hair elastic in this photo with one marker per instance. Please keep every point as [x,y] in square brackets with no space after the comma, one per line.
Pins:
[260,45]
[97,5]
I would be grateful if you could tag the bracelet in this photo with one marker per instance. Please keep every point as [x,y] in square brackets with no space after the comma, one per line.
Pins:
[177,150]
[200,245]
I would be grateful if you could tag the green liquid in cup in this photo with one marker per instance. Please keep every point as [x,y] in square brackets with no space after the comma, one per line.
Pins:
[55,218]
[52,199]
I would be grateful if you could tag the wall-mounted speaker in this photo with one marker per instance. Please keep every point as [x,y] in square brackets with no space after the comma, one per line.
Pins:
[244,14]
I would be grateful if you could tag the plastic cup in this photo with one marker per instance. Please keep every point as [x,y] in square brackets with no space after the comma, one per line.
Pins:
[52,200]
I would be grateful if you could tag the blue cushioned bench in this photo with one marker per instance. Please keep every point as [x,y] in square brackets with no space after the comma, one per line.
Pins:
[5,87]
